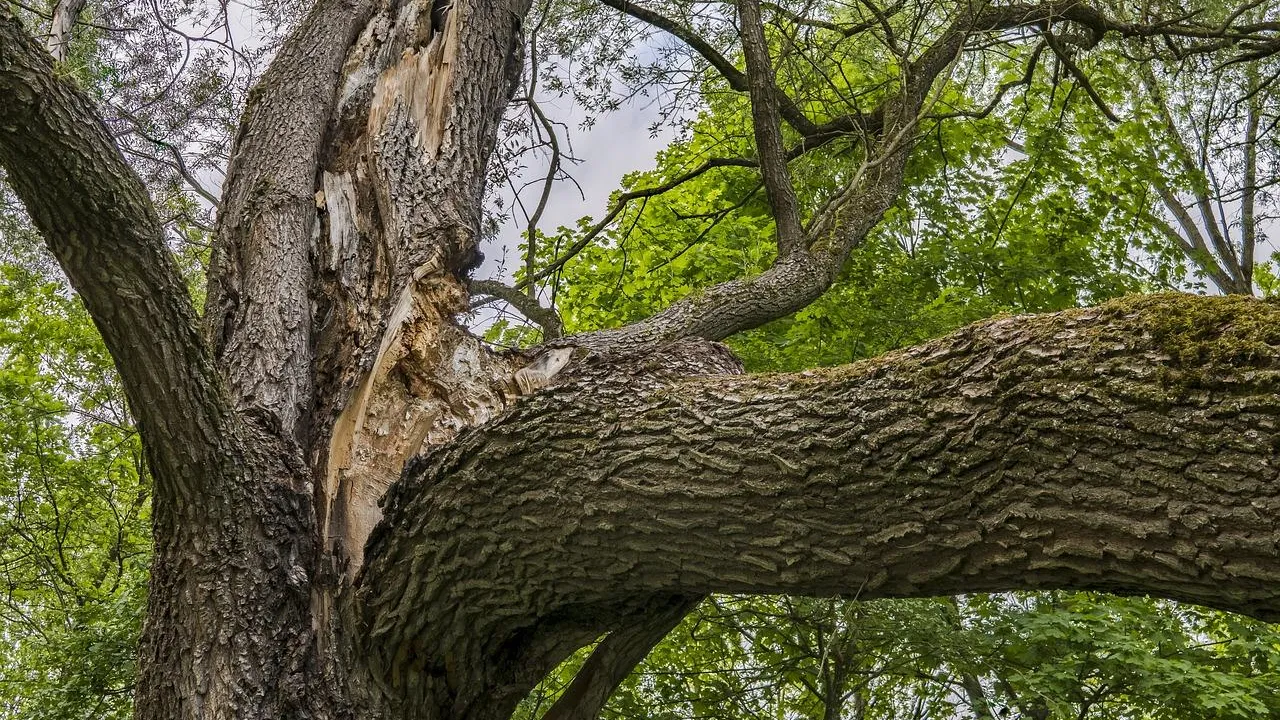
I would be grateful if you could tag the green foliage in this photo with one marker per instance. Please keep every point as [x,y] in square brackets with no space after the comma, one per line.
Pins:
[984,228]
[1267,278]
[1047,655]
[74,503]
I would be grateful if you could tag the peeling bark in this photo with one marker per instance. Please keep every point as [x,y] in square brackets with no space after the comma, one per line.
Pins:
[65,15]
[400,209]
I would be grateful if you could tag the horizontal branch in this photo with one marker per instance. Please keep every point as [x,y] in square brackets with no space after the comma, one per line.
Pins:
[1128,448]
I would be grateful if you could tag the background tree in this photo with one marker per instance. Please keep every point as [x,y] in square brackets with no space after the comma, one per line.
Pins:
[73,522]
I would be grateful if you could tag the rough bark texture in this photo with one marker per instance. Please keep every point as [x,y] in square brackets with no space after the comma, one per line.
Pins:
[228,510]
[259,305]
[1129,448]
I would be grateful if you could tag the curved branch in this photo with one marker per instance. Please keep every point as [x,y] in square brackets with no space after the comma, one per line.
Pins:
[98,220]
[614,659]
[1128,448]
[546,318]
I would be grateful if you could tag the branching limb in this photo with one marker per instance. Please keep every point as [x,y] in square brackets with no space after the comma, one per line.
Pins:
[614,659]
[546,318]
[1056,45]
[1128,448]
[768,133]
[1223,255]
[177,162]
[848,30]
[553,168]
[999,96]
[736,78]
[620,203]
[888,133]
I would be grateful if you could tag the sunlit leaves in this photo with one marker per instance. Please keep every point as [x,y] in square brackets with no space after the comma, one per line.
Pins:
[74,505]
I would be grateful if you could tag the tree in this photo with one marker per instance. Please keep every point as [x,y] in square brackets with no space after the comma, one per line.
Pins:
[602,483]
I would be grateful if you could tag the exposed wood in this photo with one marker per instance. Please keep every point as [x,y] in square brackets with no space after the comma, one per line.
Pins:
[258,311]
[401,215]
[65,15]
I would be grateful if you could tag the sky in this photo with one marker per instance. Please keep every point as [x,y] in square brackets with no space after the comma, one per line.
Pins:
[618,143]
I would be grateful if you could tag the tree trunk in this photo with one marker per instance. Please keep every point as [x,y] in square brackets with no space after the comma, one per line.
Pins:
[1129,448]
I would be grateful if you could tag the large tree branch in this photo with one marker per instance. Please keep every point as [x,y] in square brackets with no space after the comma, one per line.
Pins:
[229,510]
[1128,448]
[258,310]
[97,218]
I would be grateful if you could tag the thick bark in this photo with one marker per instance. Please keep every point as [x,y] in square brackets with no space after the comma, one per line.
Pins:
[259,308]
[227,510]
[1129,449]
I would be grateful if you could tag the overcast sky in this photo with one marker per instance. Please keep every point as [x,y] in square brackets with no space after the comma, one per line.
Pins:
[617,144]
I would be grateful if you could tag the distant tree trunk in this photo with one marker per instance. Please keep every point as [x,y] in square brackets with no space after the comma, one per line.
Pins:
[1129,448]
